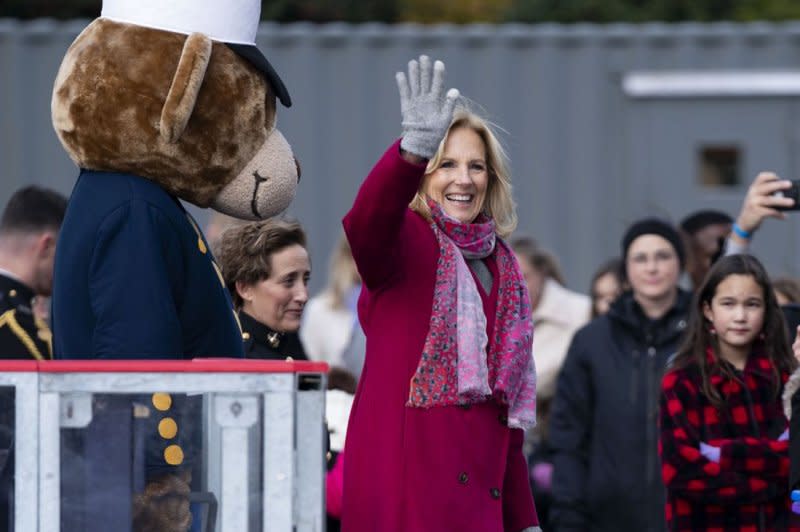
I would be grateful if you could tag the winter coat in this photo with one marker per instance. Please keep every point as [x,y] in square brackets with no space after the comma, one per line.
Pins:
[326,329]
[748,488]
[559,314]
[418,469]
[604,421]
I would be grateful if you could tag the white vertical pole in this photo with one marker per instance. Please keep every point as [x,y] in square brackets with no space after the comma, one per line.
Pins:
[26,451]
[49,463]
[235,414]
[310,502]
[279,473]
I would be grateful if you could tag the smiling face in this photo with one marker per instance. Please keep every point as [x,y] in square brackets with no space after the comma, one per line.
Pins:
[653,267]
[278,301]
[460,182]
[736,312]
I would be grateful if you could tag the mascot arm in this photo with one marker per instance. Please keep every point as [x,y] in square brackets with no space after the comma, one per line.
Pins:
[133,284]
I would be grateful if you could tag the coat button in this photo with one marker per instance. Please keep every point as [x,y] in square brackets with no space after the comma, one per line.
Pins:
[167,428]
[463,478]
[173,455]
[162,401]
[495,493]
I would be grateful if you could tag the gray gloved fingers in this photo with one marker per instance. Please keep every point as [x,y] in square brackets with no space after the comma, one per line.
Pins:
[413,77]
[405,91]
[426,112]
[425,74]
[450,101]
[532,529]
[438,78]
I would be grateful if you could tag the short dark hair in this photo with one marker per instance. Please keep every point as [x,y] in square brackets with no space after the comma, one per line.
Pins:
[33,209]
[701,219]
[246,251]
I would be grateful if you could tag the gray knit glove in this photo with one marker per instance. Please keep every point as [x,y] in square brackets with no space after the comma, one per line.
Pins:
[426,112]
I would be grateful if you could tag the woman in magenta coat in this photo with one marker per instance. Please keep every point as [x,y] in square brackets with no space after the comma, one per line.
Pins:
[434,442]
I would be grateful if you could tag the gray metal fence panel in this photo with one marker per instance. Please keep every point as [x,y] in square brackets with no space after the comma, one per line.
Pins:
[572,133]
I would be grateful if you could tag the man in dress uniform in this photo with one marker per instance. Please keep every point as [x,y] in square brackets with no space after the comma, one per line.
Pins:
[28,231]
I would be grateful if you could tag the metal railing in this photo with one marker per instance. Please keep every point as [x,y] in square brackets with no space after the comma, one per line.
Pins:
[251,433]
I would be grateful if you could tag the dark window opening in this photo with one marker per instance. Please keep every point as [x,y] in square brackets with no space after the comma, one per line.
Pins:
[719,166]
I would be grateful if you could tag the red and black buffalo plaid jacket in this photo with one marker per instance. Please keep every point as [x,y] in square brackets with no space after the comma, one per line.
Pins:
[748,490]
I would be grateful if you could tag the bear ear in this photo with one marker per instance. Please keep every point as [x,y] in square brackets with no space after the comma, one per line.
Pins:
[185,86]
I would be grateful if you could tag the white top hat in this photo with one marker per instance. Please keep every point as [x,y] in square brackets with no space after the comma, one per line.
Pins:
[233,22]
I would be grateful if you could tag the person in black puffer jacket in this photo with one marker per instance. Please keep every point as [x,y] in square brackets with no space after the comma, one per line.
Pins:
[604,423]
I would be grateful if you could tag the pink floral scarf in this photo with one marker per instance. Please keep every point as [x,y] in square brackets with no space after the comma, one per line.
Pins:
[455,367]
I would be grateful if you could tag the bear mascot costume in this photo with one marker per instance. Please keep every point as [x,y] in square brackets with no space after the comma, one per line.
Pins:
[155,102]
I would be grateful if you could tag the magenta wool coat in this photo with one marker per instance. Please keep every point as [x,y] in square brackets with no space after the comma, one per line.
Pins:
[410,469]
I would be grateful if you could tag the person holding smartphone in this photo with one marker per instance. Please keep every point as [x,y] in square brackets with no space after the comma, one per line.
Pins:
[767,197]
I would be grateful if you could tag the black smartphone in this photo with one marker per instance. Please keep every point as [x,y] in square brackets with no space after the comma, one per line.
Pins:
[794,193]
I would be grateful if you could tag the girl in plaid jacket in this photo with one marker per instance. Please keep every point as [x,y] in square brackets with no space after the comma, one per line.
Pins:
[723,443]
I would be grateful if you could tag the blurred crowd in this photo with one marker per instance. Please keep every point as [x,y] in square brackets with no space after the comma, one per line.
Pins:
[597,457]
[600,351]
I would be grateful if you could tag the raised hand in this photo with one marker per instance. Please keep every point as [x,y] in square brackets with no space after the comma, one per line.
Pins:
[426,112]
[761,203]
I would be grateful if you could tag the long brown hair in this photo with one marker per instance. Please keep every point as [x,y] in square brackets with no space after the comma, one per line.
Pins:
[698,338]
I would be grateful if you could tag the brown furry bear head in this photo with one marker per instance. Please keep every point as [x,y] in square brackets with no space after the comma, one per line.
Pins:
[183,111]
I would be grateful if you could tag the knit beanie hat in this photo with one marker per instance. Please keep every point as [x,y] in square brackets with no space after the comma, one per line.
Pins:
[654,226]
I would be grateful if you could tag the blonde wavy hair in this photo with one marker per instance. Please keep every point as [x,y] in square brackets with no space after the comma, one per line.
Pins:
[499,203]
[342,274]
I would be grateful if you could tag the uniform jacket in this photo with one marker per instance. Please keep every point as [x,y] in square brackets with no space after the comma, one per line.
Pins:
[604,421]
[26,337]
[134,277]
[749,488]
[413,469]
[22,335]
[262,342]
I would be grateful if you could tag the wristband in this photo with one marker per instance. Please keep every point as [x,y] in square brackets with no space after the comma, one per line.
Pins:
[741,233]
